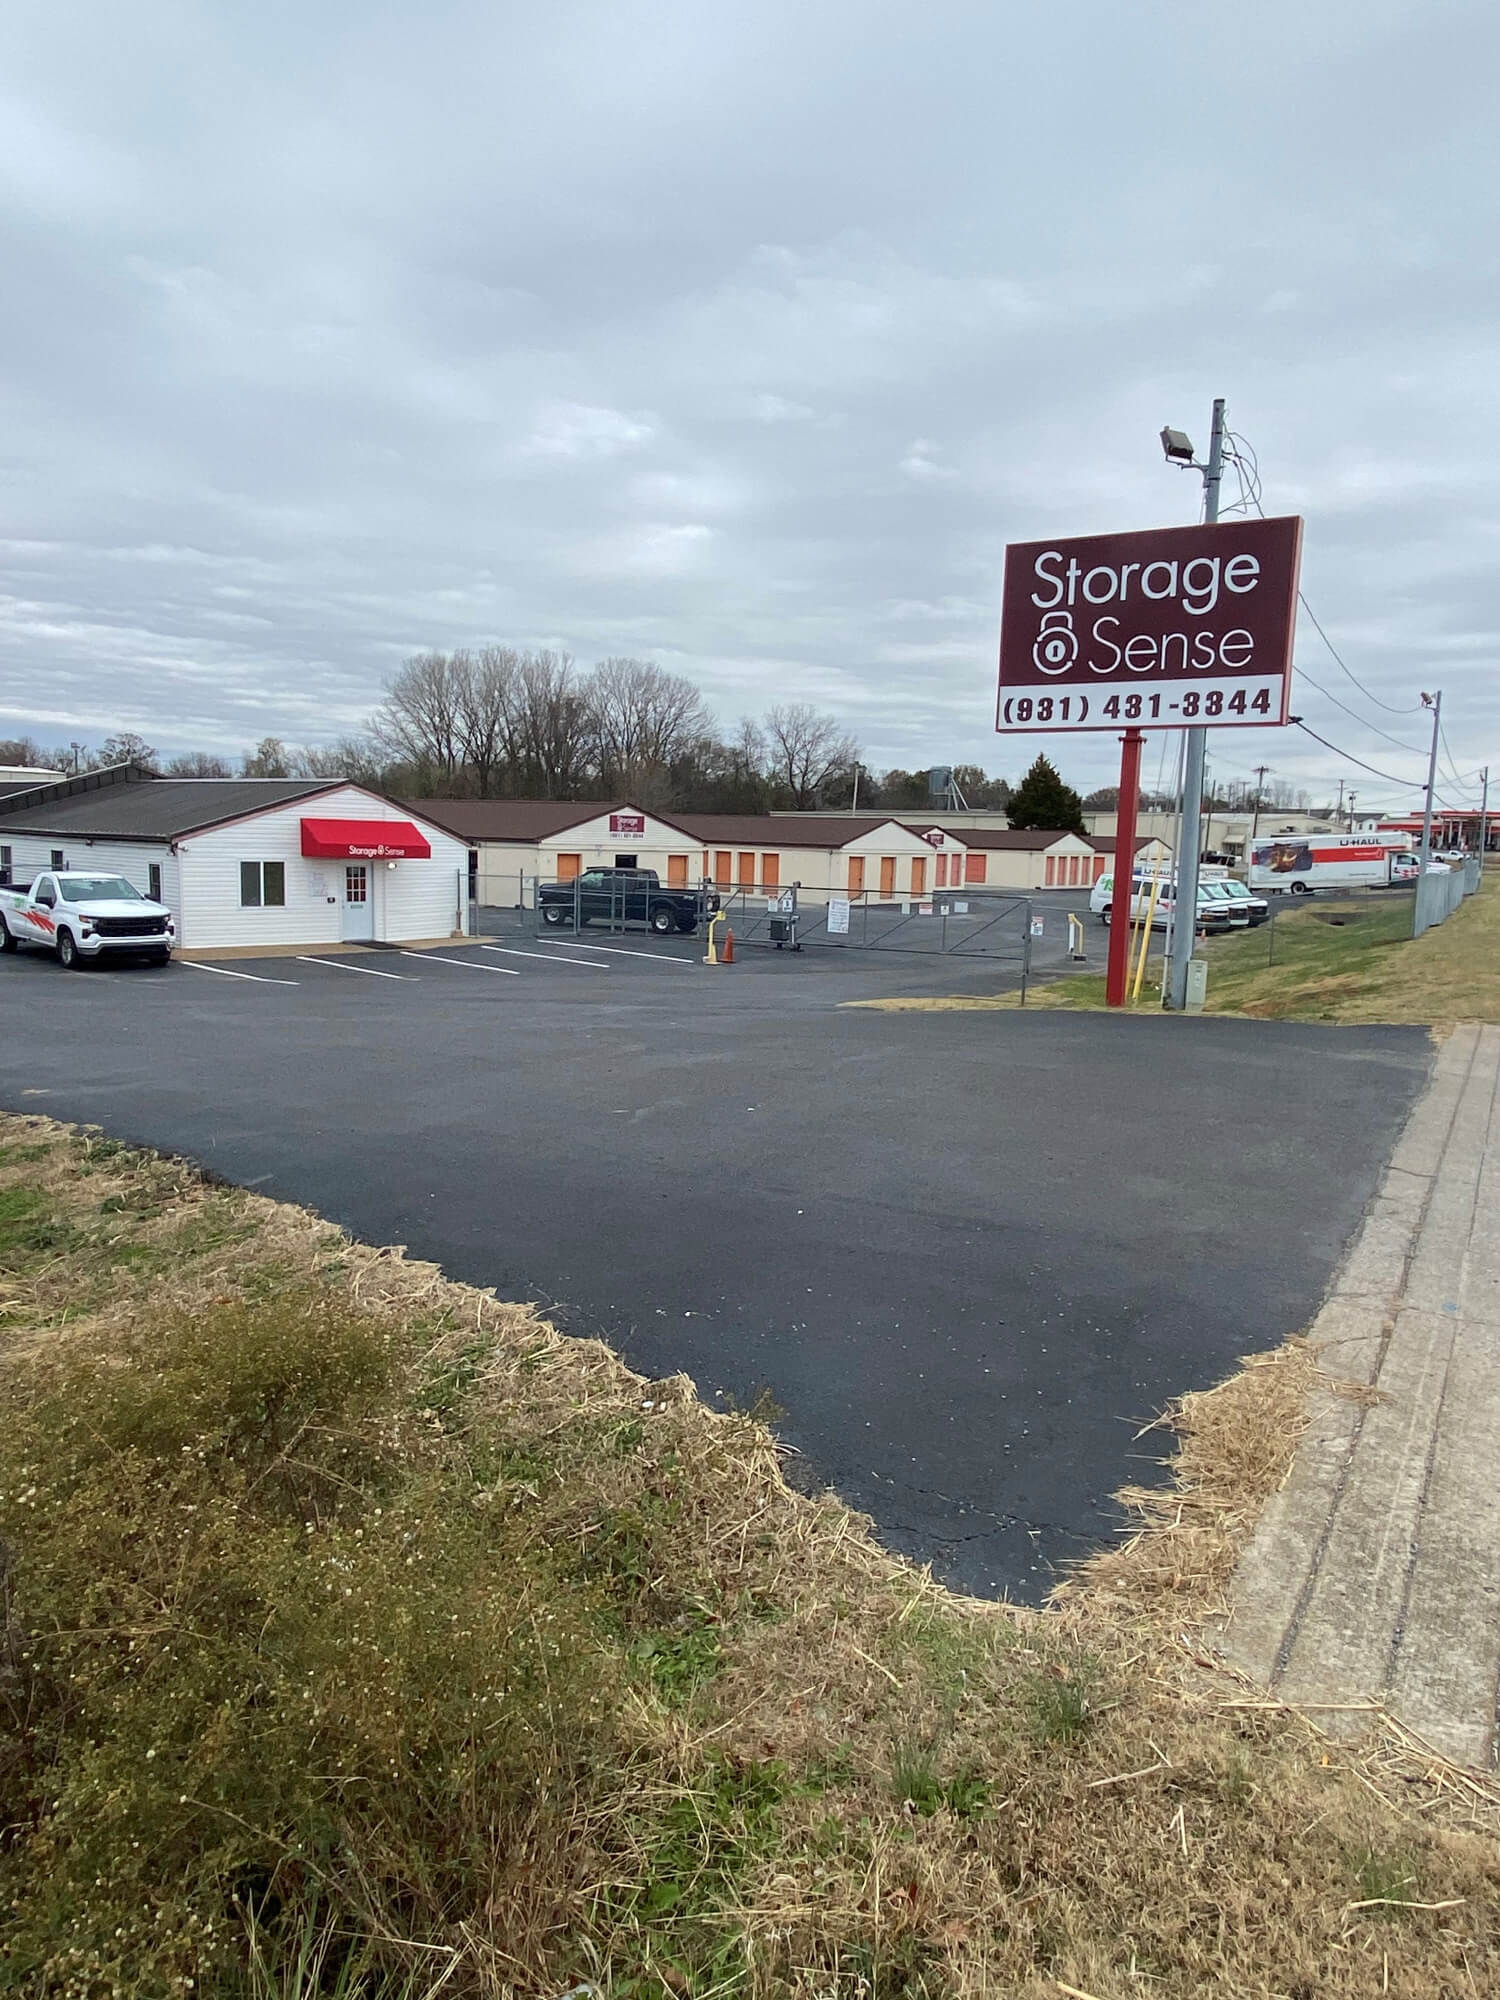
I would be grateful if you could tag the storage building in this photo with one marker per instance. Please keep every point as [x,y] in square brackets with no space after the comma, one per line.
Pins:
[249,864]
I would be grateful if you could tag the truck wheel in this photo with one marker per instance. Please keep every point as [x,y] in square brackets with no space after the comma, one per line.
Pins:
[67,951]
[553,913]
[688,926]
[7,937]
[1299,888]
[663,920]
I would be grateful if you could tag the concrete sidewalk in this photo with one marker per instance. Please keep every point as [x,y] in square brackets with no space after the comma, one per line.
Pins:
[1375,1572]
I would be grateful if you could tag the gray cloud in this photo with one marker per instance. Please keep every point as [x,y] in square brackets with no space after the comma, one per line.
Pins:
[743,337]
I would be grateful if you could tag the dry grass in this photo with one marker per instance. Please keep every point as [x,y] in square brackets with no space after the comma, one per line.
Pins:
[766,1759]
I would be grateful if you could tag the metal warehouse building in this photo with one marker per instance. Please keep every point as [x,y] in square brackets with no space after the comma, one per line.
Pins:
[248,864]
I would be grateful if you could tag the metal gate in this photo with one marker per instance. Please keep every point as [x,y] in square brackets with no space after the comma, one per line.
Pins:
[955,924]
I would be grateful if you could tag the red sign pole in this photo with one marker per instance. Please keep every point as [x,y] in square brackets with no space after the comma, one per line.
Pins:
[1121,904]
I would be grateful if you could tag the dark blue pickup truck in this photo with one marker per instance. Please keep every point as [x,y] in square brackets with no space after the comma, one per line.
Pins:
[624,896]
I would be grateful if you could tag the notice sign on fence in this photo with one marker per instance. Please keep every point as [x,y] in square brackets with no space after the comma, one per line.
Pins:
[838,916]
[1175,628]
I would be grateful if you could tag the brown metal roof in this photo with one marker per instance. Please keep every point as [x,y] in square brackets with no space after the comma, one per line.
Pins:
[524,821]
[1022,840]
[827,830]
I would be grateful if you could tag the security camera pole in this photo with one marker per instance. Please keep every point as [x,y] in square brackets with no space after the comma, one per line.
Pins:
[1185,931]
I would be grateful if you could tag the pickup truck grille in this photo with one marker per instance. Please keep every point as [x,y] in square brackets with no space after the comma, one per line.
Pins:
[131,927]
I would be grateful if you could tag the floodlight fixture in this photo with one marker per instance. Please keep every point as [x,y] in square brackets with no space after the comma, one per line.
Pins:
[1177,445]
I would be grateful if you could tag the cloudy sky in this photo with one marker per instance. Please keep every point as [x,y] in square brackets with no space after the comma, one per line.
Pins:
[739,336]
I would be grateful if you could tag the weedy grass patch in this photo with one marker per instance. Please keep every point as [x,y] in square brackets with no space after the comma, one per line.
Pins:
[363,1638]
[1338,959]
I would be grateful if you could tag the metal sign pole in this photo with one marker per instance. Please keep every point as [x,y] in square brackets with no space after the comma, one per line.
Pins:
[1192,778]
[1123,899]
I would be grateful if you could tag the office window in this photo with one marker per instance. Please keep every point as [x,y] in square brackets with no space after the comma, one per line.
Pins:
[153,881]
[262,885]
[58,858]
[5,865]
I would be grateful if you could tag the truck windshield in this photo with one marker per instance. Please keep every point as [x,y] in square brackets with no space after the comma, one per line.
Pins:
[98,889]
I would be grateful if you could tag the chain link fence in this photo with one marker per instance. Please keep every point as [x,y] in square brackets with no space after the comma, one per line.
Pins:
[1440,893]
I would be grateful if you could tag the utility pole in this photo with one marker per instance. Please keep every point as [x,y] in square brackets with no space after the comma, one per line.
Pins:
[1485,817]
[1435,703]
[1192,776]
[1260,779]
[1338,811]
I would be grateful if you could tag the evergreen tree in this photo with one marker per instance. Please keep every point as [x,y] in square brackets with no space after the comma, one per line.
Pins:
[1043,800]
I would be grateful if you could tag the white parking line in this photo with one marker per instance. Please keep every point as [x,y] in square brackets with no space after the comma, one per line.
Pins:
[472,964]
[620,951]
[545,956]
[256,978]
[340,965]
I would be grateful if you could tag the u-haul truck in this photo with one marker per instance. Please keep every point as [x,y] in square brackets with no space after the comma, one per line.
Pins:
[1294,863]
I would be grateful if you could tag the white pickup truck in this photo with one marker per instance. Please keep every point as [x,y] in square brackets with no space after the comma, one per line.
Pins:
[86,918]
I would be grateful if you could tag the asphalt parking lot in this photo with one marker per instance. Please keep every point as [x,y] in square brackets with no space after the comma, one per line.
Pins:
[969,1255]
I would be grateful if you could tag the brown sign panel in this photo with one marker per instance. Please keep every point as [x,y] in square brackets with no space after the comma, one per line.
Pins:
[1173,628]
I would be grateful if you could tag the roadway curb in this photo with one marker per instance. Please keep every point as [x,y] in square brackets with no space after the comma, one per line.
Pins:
[1374,1573]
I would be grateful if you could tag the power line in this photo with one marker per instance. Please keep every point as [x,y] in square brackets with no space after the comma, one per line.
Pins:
[1250,497]
[1390,709]
[1410,784]
[1355,716]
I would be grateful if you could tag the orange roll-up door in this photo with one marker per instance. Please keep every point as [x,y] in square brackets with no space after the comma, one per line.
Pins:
[887,874]
[568,867]
[770,871]
[856,874]
[677,865]
[722,864]
[919,876]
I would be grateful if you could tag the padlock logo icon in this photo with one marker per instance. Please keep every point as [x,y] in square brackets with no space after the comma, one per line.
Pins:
[1056,645]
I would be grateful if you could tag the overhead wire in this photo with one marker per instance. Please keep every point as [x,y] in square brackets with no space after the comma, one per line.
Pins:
[1247,473]
[1391,777]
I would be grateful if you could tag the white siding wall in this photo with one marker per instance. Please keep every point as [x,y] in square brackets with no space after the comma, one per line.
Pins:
[415,899]
[32,853]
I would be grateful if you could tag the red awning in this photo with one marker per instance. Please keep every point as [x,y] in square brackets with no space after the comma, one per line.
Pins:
[364,840]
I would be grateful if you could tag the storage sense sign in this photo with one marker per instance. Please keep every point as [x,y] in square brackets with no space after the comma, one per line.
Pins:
[1173,628]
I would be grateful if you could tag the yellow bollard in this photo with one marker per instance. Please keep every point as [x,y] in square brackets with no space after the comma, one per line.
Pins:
[1147,937]
[713,954]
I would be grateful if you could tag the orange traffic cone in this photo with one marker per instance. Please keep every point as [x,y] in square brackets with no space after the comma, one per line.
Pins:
[728,945]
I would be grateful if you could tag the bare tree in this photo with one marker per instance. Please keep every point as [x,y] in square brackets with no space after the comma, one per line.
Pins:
[352,757]
[269,759]
[643,720]
[553,724]
[806,751]
[488,708]
[420,722]
[196,764]
[124,748]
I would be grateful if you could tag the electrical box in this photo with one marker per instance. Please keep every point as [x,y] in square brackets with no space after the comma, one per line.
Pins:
[1197,985]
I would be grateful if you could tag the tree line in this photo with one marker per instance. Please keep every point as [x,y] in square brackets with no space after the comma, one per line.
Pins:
[497,722]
